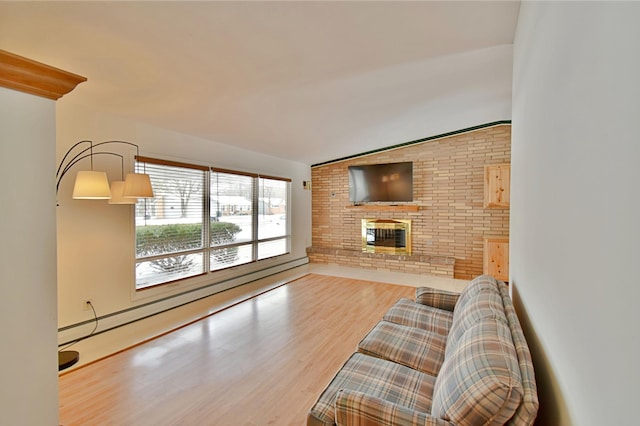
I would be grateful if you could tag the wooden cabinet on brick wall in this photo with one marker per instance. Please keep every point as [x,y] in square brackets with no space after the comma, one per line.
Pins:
[497,186]
[496,257]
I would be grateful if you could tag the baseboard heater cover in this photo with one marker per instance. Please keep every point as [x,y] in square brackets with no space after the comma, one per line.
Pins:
[121,318]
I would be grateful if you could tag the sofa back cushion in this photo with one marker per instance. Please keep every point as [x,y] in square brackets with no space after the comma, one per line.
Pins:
[479,383]
[484,305]
[527,411]
[478,285]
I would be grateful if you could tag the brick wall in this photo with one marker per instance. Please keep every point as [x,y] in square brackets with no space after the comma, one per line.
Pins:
[448,179]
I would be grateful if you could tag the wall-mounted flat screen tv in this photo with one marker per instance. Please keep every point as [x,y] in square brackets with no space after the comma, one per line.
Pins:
[390,182]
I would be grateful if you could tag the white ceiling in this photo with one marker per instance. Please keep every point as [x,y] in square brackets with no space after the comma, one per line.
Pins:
[306,81]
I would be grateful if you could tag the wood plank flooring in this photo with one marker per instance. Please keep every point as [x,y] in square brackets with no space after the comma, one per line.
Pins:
[261,362]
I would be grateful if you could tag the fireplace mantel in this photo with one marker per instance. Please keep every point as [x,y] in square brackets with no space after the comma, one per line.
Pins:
[385,207]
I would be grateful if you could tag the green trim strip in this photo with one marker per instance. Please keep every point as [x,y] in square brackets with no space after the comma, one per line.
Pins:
[430,138]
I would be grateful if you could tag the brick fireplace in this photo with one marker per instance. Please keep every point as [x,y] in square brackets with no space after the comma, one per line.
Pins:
[447,214]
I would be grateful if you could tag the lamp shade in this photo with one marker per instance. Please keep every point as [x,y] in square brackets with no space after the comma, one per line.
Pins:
[117,194]
[91,185]
[137,185]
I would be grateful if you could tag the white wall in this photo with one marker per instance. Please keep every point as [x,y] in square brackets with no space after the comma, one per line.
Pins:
[575,235]
[96,240]
[28,359]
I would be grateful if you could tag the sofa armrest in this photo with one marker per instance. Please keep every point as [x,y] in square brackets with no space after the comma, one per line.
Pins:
[436,298]
[359,409]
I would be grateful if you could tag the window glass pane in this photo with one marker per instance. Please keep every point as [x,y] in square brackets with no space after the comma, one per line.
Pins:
[272,248]
[171,221]
[170,224]
[232,207]
[231,256]
[170,268]
[272,206]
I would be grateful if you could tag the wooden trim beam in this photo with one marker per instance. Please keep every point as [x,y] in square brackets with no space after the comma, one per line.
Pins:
[430,138]
[171,163]
[25,75]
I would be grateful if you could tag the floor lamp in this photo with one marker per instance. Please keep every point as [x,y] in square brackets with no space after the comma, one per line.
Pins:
[94,185]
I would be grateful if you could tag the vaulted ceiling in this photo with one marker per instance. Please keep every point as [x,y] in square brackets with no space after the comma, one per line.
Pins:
[306,81]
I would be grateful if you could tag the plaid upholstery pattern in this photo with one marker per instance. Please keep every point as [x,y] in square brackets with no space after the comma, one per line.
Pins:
[418,349]
[479,383]
[528,409]
[376,377]
[407,312]
[359,409]
[440,299]
[485,305]
[478,353]
[476,286]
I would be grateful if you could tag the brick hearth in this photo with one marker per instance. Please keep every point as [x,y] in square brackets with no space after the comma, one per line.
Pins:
[413,264]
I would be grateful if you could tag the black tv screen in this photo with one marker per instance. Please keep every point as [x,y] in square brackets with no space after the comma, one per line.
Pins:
[381,182]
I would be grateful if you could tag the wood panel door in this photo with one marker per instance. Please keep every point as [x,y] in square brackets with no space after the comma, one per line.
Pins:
[497,186]
[496,257]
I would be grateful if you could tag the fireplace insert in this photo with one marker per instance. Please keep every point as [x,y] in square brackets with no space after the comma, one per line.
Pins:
[386,236]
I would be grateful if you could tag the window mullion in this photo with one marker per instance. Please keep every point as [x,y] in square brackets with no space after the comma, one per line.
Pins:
[206,220]
[254,218]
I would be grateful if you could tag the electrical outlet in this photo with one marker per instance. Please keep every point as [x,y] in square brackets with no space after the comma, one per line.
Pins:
[86,305]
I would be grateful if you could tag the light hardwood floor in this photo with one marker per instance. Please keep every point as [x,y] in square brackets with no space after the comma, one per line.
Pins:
[261,362]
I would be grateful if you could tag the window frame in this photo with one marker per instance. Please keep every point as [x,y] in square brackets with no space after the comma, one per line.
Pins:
[207,249]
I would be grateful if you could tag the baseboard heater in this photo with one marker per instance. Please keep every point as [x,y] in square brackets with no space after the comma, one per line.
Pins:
[127,316]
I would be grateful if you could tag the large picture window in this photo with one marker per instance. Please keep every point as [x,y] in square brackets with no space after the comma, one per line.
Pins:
[203,220]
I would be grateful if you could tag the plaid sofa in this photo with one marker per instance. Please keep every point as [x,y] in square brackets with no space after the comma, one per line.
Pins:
[443,359]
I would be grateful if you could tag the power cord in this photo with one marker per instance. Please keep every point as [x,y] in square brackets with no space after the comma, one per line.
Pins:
[95,327]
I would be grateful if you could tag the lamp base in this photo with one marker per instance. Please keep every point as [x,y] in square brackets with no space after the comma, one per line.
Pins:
[67,358]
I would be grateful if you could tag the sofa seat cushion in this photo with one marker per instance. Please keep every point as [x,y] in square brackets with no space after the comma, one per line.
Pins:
[412,314]
[416,348]
[440,299]
[357,408]
[480,382]
[379,378]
